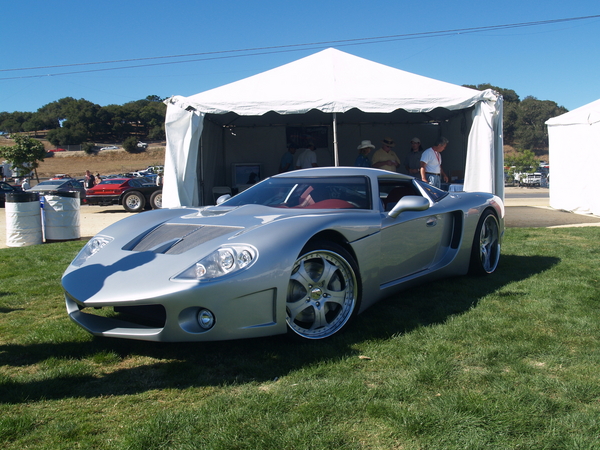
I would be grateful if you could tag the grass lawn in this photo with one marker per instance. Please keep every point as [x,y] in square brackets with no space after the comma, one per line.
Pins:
[502,362]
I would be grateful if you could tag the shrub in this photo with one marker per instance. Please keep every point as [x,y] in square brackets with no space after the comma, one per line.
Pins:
[89,148]
[130,144]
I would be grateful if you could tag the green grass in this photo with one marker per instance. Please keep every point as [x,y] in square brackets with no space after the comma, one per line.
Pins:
[504,362]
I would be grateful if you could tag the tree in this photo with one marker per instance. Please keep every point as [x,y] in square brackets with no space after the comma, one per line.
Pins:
[520,162]
[25,155]
[531,129]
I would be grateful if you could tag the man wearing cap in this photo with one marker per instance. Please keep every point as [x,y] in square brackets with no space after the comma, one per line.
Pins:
[364,149]
[385,158]
[412,161]
[431,163]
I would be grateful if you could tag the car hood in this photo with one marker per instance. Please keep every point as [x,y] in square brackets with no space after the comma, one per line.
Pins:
[157,245]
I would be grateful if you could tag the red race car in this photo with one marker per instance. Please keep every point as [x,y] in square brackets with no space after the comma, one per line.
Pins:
[132,193]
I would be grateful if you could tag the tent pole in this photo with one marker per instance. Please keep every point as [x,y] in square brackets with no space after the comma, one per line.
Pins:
[335,142]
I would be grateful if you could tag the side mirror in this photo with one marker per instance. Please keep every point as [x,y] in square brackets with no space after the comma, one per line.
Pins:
[409,203]
[223,198]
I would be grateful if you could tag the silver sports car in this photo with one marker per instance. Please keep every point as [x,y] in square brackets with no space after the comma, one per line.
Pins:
[302,252]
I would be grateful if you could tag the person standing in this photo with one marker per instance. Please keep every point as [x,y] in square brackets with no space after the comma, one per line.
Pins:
[25,185]
[385,158]
[431,163]
[362,160]
[412,161]
[90,180]
[308,158]
[287,160]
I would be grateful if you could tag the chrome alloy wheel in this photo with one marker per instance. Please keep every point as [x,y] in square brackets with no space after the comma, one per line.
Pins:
[489,244]
[134,201]
[322,293]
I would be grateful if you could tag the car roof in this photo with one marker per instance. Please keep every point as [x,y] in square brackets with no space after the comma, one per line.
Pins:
[342,171]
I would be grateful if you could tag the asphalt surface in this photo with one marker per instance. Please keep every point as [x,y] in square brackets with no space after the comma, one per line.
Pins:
[525,207]
[529,207]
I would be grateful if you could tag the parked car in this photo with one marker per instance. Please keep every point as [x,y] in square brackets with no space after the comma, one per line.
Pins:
[6,188]
[302,252]
[54,150]
[132,193]
[530,179]
[110,147]
[58,186]
[142,145]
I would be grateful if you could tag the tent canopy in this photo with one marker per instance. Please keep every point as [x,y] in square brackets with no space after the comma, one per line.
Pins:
[574,138]
[330,87]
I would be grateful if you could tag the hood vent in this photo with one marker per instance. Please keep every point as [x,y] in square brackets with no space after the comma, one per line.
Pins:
[174,239]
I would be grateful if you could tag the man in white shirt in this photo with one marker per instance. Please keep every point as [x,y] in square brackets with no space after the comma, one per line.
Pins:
[431,163]
[308,158]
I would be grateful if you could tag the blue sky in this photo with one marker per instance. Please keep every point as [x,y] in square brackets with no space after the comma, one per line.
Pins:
[558,62]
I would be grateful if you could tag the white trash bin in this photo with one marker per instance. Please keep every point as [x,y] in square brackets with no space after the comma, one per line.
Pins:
[23,219]
[61,216]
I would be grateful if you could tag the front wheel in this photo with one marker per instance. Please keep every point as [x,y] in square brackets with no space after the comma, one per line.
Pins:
[323,293]
[485,253]
[134,202]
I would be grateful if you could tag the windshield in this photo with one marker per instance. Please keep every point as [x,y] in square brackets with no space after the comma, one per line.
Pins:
[304,192]
[51,183]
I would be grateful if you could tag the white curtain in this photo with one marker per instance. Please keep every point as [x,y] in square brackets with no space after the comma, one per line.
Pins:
[183,129]
[484,171]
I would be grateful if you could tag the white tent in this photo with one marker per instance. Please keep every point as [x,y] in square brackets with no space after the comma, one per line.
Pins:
[574,140]
[351,98]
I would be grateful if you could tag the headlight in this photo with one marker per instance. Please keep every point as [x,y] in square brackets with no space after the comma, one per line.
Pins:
[221,262]
[94,245]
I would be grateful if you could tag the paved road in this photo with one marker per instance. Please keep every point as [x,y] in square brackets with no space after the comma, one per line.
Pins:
[530,207]
[525,207]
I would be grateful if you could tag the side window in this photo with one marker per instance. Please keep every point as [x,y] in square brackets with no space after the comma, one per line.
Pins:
[434,193]
[391,191]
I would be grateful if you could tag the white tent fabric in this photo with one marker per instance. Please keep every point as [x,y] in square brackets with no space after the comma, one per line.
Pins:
[574,140]
[333,82]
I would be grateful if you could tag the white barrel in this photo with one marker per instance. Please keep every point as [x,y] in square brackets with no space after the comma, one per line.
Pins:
[23,219]
[61,217]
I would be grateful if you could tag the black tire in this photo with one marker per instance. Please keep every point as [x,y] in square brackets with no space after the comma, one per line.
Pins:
[156,200]
[134,201]
[485,253]
[324,292]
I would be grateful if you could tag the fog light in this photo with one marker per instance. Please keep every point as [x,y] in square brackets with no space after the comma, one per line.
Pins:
[206,319]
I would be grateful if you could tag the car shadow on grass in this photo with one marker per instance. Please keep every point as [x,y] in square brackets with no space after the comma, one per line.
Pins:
[184,365]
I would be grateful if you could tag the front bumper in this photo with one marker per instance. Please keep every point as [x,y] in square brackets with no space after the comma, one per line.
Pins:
[176,319]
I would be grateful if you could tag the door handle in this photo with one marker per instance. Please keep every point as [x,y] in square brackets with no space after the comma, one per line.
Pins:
[432,221]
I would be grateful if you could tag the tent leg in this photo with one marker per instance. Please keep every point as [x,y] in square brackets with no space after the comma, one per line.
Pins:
[335,142]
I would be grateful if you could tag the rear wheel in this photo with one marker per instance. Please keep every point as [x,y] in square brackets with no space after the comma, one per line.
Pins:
[485,253]
[323,293]
[156,200]
[134,201]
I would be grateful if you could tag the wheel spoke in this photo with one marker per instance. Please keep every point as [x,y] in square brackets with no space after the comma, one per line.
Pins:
[320,318]
[295,308]
[329,271]
[302,277]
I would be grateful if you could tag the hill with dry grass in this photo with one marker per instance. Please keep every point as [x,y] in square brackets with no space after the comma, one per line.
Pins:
[105,163]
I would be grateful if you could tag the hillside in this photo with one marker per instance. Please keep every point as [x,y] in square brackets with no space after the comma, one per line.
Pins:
[105,163]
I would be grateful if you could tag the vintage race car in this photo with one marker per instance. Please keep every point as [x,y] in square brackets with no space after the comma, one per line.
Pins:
[301,252]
